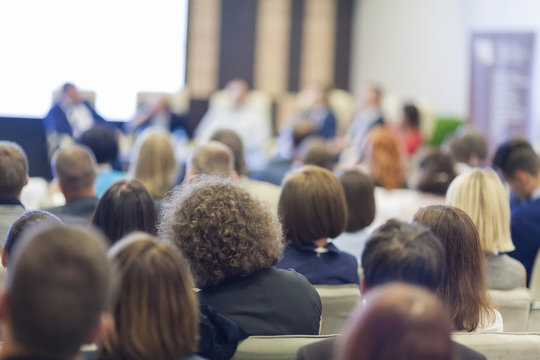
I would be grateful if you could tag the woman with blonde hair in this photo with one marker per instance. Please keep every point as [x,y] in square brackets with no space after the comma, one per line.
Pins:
[463,289]
[481,194]
[155,308]
[154,163]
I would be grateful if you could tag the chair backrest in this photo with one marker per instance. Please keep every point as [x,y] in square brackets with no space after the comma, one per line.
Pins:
[534,281]
[514,306]
[86,95]
[338,301]
[178,102]
[274,347]
[502,346]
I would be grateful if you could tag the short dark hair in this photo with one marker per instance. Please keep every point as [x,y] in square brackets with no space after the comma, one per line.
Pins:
[516,154]
[102,141]
[398,251]
[437,173]
[360,194]
[13,169]
[126,206]
[235,143]
[412,115]
[314,151]
[58,285]
[26,221]
[467,143]
[75,166]
[312,205]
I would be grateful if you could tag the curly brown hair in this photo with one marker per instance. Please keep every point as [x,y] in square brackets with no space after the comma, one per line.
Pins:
[221,229]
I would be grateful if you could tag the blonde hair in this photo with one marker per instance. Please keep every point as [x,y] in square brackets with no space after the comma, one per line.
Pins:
[481,194]
[154,163]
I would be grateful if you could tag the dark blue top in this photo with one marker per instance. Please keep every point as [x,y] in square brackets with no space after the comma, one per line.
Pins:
[56,120]
[333,267]
[525,228]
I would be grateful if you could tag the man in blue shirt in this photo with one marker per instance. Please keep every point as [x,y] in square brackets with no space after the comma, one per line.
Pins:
[520,167]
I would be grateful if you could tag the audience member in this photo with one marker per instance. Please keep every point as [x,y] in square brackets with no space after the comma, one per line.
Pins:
[359,193]
[312,209]
[155,309]
[464,288]
[103,143]
[481,194]
[125,207]
[265,191]
[212,158]
[75,169]
[153,162]
[468,147]
[232,243]
[520,168]
[13,177]
[410,136]
[398,321]
[403,252]
[314,151]
[27,220]
[436,173]
[56,294]
[71,115]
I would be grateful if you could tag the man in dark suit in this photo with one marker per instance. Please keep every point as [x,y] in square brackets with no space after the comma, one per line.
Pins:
[402,252]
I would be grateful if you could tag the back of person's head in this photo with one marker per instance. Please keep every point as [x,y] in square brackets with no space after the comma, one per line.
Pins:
[235,143]
[102,141]
[154,163]
[398,251]
[516,154]
[212,158]
[75,168]
[382,156]
[13,169]
[221,228]
[437,172]
[301,130]
[126,206]
[360,195]
[468,146]
[155,308]
[411,116]
[27,220]
[312,205]
[57,290]
[314,151]
[481,194]
[464,288]
[398,321]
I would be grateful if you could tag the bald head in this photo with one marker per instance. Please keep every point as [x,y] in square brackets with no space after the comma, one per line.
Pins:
[213,158]
[75,168]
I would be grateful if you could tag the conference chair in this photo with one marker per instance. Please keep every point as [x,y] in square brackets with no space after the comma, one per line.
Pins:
[338,301]
[514,306]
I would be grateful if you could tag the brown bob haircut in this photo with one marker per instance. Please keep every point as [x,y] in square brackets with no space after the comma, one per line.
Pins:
[312,205]
[360,194]
[464,287]
[155,308]
[221,228]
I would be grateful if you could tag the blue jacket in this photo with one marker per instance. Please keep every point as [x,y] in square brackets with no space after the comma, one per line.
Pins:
[56,120]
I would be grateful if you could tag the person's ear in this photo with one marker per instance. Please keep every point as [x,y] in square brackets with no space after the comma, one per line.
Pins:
[234,175]
[190,176]
[105,324]
[522,176]
[363,286]
[3,305]
[4,257]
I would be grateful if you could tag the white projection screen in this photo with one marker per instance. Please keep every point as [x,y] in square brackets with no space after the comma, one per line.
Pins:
[113,47]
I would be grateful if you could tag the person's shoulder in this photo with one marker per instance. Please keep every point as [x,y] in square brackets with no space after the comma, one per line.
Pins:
[288,276]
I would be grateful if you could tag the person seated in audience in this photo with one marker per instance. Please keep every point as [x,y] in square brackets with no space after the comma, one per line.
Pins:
[403,252]
[409,133]
[265,191]
[70,115]
[212,158]
[312,209]
[520,167]
[398,321]
[464,287]
[251,122]
[232,243]
[76,170]
[125,207]
[56,293]
[103,143]
[153,162]
[314,151]
[481,194]
[155,308]
[27,220]
[469,149]
[13,177]
[359,194]
[436,173]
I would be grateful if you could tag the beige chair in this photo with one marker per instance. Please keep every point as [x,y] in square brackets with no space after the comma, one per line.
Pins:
[86,95]
[274,347]
[502,346]
[534,286]
[338,301]
[178,102]
[514,306]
